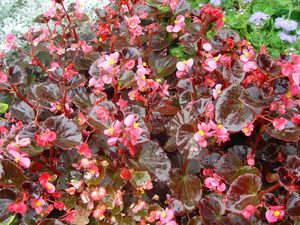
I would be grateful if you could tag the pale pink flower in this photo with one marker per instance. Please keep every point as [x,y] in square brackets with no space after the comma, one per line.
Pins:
[38,204]
[179,23]
[210,64]
[185,65]
[132,126]
[207,47]
[221,134]
[132,22]
[274,214]
[279,123]
[203,132]
[129,64]
[217,91]
[173,4]
[167,215]
[296,78]
[20,158]
[110,61]
[3,77]
[215,183]
[9,42]
[249,66]
[142,68]
[247,54]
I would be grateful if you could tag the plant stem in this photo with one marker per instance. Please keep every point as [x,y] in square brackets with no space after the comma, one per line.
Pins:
[277,185]
[23,99]
[185,163]
[258,138]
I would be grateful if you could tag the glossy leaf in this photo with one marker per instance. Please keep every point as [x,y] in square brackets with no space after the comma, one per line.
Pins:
[67,134]
[47,92]
[163,66]
[186,188]
[243,191]
[211,211]
[267,64]
[65,178]
[16,75]
[139,178]
[219,40]
[10,172]
[255,98]
[290,133]
[233,73]
[6,196]
[22,111]
[230,167]
[230,112]
[153,159]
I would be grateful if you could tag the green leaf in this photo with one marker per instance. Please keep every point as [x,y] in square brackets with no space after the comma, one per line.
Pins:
[3,107]
[9,220]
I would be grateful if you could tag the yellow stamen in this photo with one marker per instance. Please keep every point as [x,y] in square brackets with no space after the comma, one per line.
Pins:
[247,54]
[111,130]
[58,107]
[17,159]
[216,58]
[143,77]
[135,125]
[158,80]
[111,61]
[246,130]
[100,39]
[144,64]
[276,213]
[163,214]
[38,204]
[176,21]
[201,133]
[288,94]
[132,23]
[219,91]
[220,126]
[184,62]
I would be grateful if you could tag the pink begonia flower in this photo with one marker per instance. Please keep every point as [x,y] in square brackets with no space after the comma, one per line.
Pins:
[209,81]
[296,119]
[250,159]
[44,181]
[84,149]
[214,183]
[247,54]
[113,132]
[167,215]
[296,78]
[60,50]
[17,207]
[46,137]
[217,91]
[274,214]
[9,42]
[204,131]
[279,124]
[142,68]
[247,130]
[179,23]
[98,193]
[110,61]
[132,22]
[102,113]
[185,65]
[3,77]
[207,47]
[249,66]
[38,204]
[173,4]
[132,126]
[220,133]
[210,64]
[129,64]
[122,103]
[248,211]
[98,213]
[20,158]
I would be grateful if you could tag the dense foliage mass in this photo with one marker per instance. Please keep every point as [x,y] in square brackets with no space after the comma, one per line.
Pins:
[155,115]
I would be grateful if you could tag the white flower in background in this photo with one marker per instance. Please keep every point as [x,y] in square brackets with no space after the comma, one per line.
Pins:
[17,15]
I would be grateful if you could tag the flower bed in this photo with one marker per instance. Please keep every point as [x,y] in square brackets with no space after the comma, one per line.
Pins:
[154,115]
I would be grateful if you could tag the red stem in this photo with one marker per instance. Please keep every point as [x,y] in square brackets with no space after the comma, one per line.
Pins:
[272,188]
[257,138]
[69,19]
[64,104]
[23,98]
[185,163]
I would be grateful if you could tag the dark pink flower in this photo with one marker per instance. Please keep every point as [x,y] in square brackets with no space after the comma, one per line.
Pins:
[247,130]
[279,123]
[248,211]
[17,207]
[3,77]
[20,158]
[46,137]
